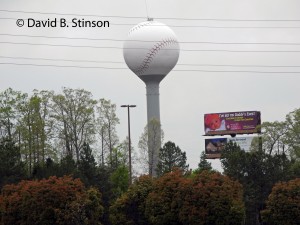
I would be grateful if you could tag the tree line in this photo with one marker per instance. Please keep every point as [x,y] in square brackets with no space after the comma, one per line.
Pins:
[52,142]
[69,133]
[53,125]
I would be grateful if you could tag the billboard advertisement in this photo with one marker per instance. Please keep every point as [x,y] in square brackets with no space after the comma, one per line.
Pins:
[215,146]
[247,122]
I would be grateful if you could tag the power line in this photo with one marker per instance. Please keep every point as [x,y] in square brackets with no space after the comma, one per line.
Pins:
[62,60]
[122,40]
[163,18]
[67,66]
[187,50]
[239,71]
[177,70]
[69,14]
[243,65]
[116,62]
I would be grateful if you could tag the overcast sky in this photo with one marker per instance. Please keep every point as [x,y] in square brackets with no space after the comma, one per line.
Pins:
[185,96]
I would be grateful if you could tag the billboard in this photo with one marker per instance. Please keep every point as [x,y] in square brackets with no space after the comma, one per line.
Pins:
[215,146]
[247,122]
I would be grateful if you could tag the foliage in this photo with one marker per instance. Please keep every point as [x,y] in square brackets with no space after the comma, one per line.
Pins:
[73,111]
[87,165]
[119,181]
[9,116]
[120,155]
[171,156]
[68,166]
[293,133]
[274,137]
[257,171]
[107,121]
[48,169]
[93,207]
[129,209]
[149,145]
[45,134]
[207,198]
[11,167]
[283,204]
[53,201]
[283,137]
[165,201]
[211,198]
[203,164]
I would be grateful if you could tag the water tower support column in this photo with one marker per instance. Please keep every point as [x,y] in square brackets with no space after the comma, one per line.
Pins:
[152,92]
[154,127]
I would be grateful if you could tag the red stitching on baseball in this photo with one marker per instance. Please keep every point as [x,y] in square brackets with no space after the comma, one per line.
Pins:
[150,55]
[139,26]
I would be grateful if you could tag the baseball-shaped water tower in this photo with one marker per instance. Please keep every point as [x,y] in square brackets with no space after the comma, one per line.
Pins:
[151,51]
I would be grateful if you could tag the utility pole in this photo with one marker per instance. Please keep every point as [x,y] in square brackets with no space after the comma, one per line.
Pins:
[129,141]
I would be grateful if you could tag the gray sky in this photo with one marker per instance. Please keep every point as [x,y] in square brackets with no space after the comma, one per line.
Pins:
[185,95]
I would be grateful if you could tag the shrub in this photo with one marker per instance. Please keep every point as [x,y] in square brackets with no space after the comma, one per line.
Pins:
[283,204]
[61,201]
[130,207]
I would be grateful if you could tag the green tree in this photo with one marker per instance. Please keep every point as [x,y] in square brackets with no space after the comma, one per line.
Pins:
[273,137]
[31,128]
[107,121]
[283,204]
[171,156]
[46,170]
[120,154]
[293,133]
[11,167]
[129,209]
[147,146]
[203,164]
[104,184]
[73,111]
[87,166]
[45,125]
[119,181]
[9,102]
[257,171]
[68,166]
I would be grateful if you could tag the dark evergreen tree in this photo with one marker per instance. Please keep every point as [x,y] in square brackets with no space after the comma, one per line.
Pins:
[68,167]
[11,168]
[47,169]
[171,156]
[87,165]
[105,187]
[203,164]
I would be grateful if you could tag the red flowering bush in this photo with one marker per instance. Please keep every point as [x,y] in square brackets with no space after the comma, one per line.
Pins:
[61,201]
[212,198]
[207,198]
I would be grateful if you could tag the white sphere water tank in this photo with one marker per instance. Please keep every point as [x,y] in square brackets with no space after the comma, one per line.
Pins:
[151,49]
